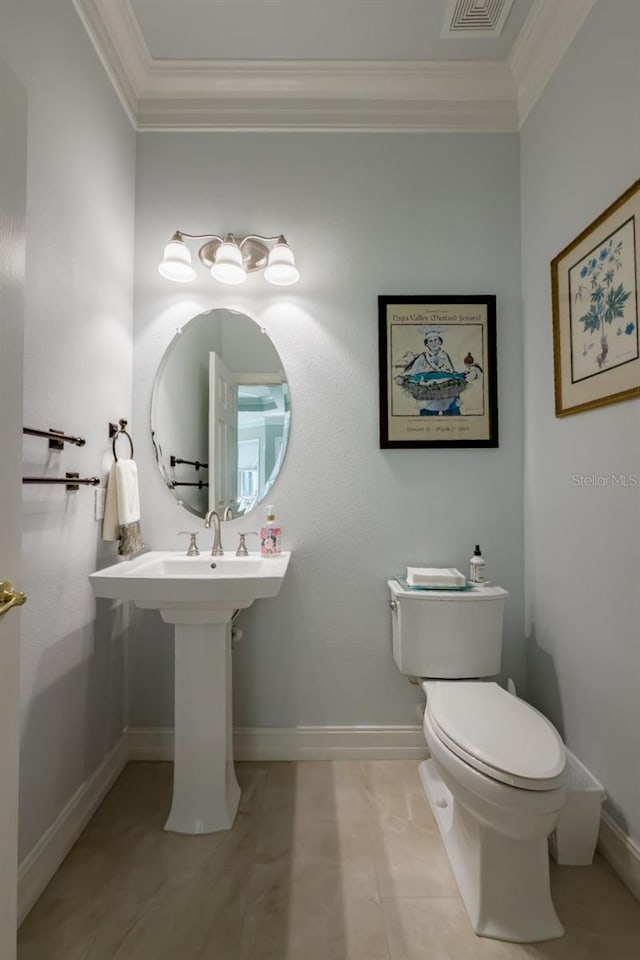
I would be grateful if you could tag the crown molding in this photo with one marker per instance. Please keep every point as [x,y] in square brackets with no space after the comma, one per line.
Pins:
[545,37]
[326,116]
[325,95]
[118,41]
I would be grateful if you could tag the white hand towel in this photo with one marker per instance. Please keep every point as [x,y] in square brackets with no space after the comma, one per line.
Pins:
[122,508]
[128,495]
[111,522]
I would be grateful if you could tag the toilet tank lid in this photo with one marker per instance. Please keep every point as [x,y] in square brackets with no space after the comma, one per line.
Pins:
[502,731]
[468,596]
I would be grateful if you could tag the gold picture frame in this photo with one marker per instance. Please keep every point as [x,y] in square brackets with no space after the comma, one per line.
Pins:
[594,290]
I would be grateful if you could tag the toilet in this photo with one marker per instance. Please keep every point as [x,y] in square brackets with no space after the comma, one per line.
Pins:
[496,777]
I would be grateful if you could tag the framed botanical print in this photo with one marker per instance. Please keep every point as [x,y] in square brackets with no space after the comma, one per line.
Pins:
[594,286]
[438,383]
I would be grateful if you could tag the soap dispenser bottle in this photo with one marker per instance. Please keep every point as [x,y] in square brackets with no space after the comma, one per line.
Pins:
[476,567]
[270,535]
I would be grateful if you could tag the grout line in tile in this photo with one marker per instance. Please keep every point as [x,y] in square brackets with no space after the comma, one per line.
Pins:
[453,896]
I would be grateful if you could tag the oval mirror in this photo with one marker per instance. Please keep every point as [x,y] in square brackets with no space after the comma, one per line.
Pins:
[220,414]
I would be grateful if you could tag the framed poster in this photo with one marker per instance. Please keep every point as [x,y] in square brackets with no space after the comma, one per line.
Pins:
[594,288]
[438,385]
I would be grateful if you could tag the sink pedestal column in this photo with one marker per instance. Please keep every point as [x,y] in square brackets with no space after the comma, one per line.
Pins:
[205,789]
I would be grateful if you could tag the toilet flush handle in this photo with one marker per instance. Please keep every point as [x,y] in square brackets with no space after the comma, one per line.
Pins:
[393,604]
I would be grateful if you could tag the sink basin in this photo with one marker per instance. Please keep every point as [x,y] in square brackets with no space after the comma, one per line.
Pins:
[215,567]
[166,581]
[200,596]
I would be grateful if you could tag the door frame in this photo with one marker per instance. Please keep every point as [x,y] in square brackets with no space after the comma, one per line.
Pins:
[13,189]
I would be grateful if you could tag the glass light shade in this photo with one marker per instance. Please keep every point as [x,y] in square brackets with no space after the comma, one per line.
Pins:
[229,267]
[176,263]
[281,267]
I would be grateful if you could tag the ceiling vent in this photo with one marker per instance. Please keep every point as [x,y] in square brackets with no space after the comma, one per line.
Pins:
[475,18]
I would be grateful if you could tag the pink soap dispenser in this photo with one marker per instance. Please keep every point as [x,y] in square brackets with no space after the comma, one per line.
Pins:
[270,535]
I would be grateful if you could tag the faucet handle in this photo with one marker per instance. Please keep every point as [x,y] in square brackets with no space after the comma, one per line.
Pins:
[192,549]
[242,546]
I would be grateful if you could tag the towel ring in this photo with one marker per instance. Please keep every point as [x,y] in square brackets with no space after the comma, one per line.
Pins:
[115,433]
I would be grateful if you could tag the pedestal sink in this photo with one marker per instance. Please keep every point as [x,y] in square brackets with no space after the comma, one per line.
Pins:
[200,596]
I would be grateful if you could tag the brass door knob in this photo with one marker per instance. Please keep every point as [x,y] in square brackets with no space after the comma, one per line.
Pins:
[9,597]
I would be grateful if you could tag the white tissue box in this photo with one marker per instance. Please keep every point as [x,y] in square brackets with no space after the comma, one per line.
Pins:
[434,577]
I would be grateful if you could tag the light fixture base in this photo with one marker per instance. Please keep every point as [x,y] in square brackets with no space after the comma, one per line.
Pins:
[254,254]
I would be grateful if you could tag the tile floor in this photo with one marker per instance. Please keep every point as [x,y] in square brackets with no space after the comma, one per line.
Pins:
[326,861]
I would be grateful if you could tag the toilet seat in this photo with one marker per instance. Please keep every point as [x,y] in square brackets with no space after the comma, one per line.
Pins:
[498,734]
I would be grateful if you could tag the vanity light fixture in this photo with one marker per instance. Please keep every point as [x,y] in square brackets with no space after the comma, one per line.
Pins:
[229,259]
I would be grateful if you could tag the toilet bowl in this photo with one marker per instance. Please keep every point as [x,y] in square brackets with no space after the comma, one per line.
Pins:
[496,784]
[497,769]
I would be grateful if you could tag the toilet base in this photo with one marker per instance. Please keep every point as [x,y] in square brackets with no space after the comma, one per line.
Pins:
[503,882]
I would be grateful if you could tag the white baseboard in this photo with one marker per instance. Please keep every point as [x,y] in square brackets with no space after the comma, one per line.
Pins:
[621,852]
[296,743]
[39,866]
[150,743]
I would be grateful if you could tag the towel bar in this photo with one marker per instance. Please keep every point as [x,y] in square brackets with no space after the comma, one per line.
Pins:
[192,463]
[71,481]
[187,483]
[56,438]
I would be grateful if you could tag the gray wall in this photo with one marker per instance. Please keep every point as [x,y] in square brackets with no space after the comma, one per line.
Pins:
[77,377]
[366,215]
[580,150]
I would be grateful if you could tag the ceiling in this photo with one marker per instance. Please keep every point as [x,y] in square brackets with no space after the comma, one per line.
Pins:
[379,65]
[316,30]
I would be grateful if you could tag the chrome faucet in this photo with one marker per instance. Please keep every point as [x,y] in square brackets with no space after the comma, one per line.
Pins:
[216,549]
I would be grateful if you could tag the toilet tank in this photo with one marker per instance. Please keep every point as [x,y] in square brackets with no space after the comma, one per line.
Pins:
[447,634]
